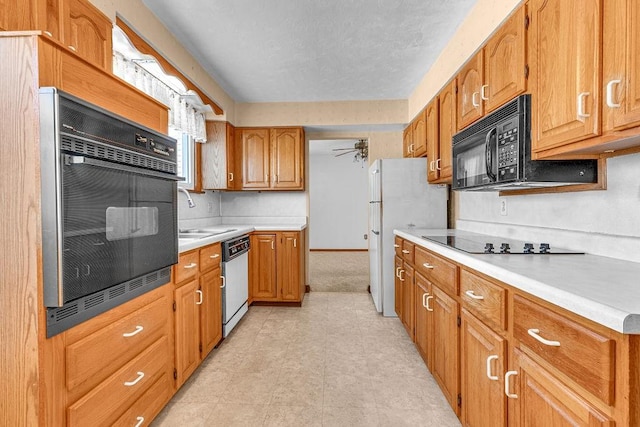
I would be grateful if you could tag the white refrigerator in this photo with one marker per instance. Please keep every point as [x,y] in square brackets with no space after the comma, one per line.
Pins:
[399,198]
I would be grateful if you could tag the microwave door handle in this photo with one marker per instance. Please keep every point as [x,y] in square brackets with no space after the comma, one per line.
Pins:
[71,160]
[488,155]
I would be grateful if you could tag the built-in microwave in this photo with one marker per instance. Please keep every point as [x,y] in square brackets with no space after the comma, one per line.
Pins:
[495,154]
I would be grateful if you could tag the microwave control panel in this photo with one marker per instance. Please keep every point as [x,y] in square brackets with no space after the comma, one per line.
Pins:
[508,150]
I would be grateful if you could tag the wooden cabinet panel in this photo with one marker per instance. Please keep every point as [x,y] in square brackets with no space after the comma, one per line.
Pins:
[432,118]
[398,286]
[408,251]
[255,158]
[148,406]
[397,246]
[407,141]
[87,31]
[287,157]
[210,257]
[187,266]
[440,271]
[262,264]
[18,15]
[565,101]
[543,400]
[408,300]
[289,266]
[419,135]
[445,367]
[210,311]
[447,128]
[218,157]
[621,64]
[486,300]
[187,335]
[582,354]
[482,354]
[470,79]
[423,318]
[505,59]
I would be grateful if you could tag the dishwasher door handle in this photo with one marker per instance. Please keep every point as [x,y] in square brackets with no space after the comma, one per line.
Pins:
[224,282]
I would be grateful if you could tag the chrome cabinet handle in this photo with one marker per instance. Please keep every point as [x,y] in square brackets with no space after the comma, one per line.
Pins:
[192,265]
[471,294]
[580,105]
[224,282]
[136,381]
[489,375]
[475,103]
[534,333]
[139,420]
[136,332]
[214,256]
[200,294]
[507,390]
[610,102]
[230,176]
[427,265]
[400,276]
[483,92]
[427,306]
[404,251]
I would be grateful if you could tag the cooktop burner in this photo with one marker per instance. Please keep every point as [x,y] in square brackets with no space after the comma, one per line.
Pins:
[481,244]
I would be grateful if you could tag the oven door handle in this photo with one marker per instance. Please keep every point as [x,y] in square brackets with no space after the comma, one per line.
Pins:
[488,155]
[72,160]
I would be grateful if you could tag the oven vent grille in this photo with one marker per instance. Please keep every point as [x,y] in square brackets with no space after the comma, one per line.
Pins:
[89,148]
[60,319]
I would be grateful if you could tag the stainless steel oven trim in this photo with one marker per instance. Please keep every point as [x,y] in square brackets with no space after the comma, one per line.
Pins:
[120,167]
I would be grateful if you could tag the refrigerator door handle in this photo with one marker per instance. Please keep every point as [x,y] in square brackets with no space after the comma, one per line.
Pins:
[377,233]
[374,201]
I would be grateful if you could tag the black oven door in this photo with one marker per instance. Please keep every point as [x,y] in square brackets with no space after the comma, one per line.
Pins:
[475,160]
[119,222]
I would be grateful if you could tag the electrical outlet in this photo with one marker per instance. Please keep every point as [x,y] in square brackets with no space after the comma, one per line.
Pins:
[503,207]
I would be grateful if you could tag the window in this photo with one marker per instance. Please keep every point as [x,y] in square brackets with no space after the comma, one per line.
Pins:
[185,149]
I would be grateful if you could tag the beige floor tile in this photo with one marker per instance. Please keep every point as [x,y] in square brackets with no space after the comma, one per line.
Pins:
[400,392]
[204,387]
[293,416]
[349,417]
[191,414]
[299,388]
[232,415]
[348,391]
[250,388]
[417,418]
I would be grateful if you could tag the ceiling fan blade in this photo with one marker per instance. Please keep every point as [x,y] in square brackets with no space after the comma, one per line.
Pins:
[340,149]
[346,152]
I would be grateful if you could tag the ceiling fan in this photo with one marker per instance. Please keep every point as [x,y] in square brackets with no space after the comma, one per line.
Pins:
[360,148]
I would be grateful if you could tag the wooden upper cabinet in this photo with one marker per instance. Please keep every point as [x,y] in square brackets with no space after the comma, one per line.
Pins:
[419,135]
[407,141]
[470,81]
[218,157]
[87,31]
[447,128]
[287,158]
[621,64]
[565,55]
[505,62]
[433,138]
[256,158]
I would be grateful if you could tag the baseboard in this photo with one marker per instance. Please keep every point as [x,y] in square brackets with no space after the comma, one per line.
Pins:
[338,250]
[307,289]
[277,303]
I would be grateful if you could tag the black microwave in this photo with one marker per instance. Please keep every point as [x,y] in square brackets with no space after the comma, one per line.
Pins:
[494,154]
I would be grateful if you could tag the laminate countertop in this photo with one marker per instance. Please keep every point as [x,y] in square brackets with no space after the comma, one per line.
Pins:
[604,290]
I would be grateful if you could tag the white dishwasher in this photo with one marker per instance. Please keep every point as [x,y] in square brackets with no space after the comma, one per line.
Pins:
[235,285]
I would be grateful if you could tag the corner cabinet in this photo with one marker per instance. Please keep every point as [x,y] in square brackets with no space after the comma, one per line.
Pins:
[272,158]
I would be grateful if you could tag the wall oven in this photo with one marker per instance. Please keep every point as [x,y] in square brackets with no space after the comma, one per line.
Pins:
[109,217]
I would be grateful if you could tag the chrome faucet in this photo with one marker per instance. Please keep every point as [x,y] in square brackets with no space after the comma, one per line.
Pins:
[189,199]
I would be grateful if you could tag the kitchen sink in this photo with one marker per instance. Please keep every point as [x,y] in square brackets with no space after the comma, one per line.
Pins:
[193,235]
[207,231]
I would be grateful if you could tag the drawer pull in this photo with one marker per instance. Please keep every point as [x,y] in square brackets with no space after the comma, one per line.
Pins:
[427,306]
[136,332]
[136,381]
[534,333]
[199,292]
[396,246]
[224,282]
[427,265]
[139,420]
[400,276]
[214,256]
[398,272]
[404,251]
[424,299]
[471,294]
[192,265]
[507,390]
[489,360]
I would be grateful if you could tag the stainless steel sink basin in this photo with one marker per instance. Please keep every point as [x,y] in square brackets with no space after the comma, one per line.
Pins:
[207,231]
[193,235]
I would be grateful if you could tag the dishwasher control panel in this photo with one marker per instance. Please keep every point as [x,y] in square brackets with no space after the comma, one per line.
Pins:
[235,247]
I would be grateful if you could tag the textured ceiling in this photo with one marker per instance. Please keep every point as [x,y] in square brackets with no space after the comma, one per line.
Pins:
[314,50]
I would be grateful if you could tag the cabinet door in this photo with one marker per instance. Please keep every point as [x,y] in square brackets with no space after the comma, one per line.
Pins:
[407,142]
[621,66]
[262,267]
[470,79]
[255,158]
[210,311]
[424,321]
[217,157]
[419,135]
[88,33]
[287,157]
[565,62]
[445,345]
[289,266]
[447,128]
[504,62]
[482,354]
[18,15]
[408,299]
[399,272]
[187,335]
[543,400]
[433,138]
[234,178]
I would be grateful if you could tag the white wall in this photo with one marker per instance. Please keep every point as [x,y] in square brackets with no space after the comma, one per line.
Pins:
[599,222]
[264,204]
[338,197]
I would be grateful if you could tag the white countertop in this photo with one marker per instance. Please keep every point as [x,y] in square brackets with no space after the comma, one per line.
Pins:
[235,230]
[604,290]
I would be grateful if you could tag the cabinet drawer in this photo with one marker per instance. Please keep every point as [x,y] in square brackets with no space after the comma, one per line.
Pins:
[437,270]
[148,406]
[585,356]
[122,340]
[210,257]
[407,251]
[484,299]
[106,402]
[397,245]
[187,266]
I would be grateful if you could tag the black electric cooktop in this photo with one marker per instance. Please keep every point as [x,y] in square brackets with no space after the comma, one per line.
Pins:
[481,244]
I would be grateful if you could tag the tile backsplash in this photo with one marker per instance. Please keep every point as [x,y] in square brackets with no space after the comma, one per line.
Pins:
[207,206]
[264,204]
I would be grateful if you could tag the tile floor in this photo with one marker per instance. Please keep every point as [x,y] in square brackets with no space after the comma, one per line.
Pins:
[332,362]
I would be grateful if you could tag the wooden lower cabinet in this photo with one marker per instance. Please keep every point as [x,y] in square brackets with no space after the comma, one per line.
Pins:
[445,367]
[482,362]
[210,311]
[187,326]
[408,299]
[423,319]
[289,265]
[398,286]
[262,267]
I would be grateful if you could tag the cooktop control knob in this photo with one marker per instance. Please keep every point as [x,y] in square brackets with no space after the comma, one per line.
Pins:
[504,248]
[545,248]
[528,248]
[488,248]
